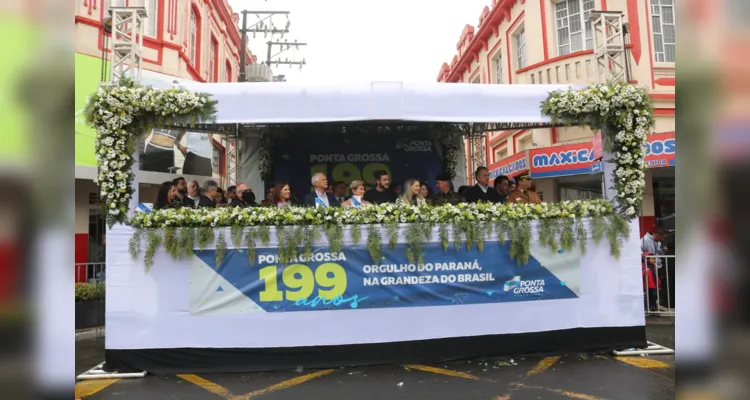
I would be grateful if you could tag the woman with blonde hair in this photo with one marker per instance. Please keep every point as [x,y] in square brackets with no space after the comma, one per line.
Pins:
[411,194]
[358,191]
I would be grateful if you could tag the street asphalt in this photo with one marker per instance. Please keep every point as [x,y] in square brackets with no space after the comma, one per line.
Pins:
[570,376]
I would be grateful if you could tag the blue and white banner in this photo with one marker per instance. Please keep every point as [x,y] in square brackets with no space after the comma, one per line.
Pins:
[350,280]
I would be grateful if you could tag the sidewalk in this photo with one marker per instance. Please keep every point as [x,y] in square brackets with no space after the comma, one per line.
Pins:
[91,333]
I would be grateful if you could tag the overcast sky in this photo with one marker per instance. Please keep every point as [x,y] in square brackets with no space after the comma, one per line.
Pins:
[358,40]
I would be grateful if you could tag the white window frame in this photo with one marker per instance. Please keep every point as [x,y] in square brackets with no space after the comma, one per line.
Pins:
[520,41]
[528,136]
[193,38]
[151,21]
[212,49]
[662,53]
[499,68]
[579,20]
[502,149]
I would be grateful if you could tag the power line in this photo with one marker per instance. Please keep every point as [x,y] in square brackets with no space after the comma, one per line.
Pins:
[266,25]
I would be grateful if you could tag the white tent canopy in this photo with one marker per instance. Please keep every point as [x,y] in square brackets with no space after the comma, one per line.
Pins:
[276,103]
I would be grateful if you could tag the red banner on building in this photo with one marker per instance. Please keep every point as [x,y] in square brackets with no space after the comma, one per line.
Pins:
[569,159]
[582,158]
[509,166]
[598,146]
[661,150]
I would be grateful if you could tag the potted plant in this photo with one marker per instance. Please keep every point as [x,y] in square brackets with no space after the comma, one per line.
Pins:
[89,305]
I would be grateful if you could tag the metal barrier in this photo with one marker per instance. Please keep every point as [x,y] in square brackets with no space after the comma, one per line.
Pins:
[90,272]
[659,294]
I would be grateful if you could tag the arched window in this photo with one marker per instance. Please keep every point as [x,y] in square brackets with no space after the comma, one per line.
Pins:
[229,71]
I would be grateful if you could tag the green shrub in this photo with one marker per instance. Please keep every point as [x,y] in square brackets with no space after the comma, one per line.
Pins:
[87,291]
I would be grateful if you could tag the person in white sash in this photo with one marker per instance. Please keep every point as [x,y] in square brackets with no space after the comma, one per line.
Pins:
[358,191]
[319,197]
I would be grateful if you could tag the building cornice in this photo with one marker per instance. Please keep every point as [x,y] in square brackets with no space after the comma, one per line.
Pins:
[489,23]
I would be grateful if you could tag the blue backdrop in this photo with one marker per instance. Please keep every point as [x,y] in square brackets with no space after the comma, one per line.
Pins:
[350,279]
[355,156]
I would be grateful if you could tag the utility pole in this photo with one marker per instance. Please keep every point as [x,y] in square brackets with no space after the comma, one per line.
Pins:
[243,50]
[286,61]
[265,25]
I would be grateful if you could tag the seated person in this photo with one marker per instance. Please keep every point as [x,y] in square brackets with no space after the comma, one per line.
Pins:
[522,194]
[270,193]
[358,192]
[411,194]
[209,191]
[339,191]
[424,191]
[502,186]
[166,198]
[482,191]
[444,194]
[245,197]
[381,193]
[220,200]
[319,197]
[282,197]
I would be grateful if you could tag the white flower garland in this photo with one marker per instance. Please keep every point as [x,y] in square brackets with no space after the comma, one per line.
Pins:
[625,115]
[561,226]
[120,113]
[372,214]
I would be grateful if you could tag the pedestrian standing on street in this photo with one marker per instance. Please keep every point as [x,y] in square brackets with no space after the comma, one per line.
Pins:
[652,243]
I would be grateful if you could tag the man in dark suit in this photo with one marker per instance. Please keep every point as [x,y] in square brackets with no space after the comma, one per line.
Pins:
[319,197]
[193,195]
[482,191]
[339,191]
[210,190]
[245,197]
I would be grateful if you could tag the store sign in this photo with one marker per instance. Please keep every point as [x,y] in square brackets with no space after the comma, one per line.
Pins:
[509,166]
[569,159]
[661,150]
[598,146]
